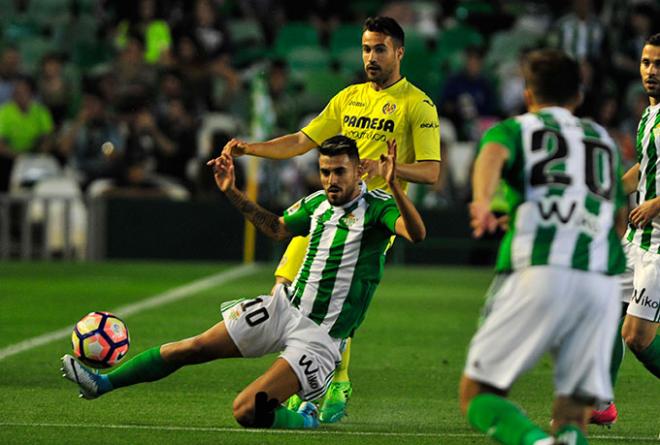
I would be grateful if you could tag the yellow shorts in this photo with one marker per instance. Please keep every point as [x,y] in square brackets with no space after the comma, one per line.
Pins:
[293,258]
[295,254]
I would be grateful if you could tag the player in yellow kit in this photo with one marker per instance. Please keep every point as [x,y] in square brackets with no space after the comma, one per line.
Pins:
[385,107]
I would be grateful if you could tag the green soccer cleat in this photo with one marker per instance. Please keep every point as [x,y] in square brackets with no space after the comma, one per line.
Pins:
[294,402]
[334,404]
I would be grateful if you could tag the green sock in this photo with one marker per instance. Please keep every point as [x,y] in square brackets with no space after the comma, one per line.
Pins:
[147,366]
[617,354]
[650,357]
[572,435]
[503,421]
[287,419]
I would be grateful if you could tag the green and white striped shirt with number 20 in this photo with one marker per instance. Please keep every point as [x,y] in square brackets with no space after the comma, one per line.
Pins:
[647,146]
[345,258]
[564,177]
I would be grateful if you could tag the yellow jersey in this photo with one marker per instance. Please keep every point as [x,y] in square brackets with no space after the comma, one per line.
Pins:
[401,111]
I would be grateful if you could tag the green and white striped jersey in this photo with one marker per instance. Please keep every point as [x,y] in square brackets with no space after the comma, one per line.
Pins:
[345,257]
[647,147]
[564,178]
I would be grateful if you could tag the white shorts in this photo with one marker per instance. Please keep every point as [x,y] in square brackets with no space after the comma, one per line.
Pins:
[641,283]
[268,324]
[571,314]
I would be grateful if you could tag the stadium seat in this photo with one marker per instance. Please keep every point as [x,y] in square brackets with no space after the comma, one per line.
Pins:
[293,35]
[307,58]
[249,41]
[457,38]
[350,61]
[32,51]
[320,87]
[31,168]
[212,123]
[51,198]
[345,37]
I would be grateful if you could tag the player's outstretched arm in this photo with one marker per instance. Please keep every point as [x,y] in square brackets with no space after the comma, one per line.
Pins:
[283,147]
[269,223]
[422,172]
[410,224]
[485,179]
[631,179]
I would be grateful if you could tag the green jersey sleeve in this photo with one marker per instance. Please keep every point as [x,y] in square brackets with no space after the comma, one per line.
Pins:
[425,127]
[388,212]
[297,218]
[328,123]
[508,134]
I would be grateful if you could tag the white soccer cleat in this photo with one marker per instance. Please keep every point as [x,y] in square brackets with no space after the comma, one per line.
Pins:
[87,380]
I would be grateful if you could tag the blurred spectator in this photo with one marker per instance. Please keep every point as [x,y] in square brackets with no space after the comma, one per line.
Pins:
[468,95]
[93,141]
[146,21]
[580,33]
[10,63]
[636,101]
[134,77]
[192,63]
[609,117]
[628,48]
[225,85]
[209,28]
[285,96]
[25,126]
[177,144]
[54,90]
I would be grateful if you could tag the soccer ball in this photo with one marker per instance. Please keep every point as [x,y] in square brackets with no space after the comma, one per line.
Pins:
[100,339]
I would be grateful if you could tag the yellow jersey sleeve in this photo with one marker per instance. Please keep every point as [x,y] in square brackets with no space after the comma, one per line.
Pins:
[328,122]
[425,127]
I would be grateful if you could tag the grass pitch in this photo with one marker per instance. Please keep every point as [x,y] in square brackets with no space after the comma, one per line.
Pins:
[407,359]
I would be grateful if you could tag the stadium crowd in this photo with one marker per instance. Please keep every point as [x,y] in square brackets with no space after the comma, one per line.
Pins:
[133,97]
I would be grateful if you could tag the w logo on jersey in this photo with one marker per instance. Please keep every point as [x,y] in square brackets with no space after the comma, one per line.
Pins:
[550,211]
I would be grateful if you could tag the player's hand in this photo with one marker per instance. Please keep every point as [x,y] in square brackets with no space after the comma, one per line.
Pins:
[482,219]
[644,214]
[235,147]
[387,163]
[223,172]
[370,168]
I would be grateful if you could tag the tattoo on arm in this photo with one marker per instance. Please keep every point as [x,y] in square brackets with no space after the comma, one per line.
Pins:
[264,220]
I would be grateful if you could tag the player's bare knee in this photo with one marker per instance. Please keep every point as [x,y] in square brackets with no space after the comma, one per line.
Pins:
[636,341]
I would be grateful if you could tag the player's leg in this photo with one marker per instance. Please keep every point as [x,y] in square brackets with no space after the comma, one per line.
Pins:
[286,272]
[153,364]
[257,406]
[490,412]
[642,338]
[640,329]
[570,416]
[517,319]
[605,413]
[333,406]
[583,358]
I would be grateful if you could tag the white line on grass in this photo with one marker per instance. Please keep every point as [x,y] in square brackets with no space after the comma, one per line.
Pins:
[266,431]
[178,293]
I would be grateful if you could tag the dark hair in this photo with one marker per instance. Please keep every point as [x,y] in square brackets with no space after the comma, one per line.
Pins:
[340,145]
[387,26]
[552,76]
[654,40]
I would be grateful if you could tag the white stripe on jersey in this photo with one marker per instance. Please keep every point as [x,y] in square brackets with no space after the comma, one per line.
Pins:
[347,269]
[317,266]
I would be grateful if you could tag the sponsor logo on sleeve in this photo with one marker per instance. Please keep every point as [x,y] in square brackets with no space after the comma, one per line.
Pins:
[429,125]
